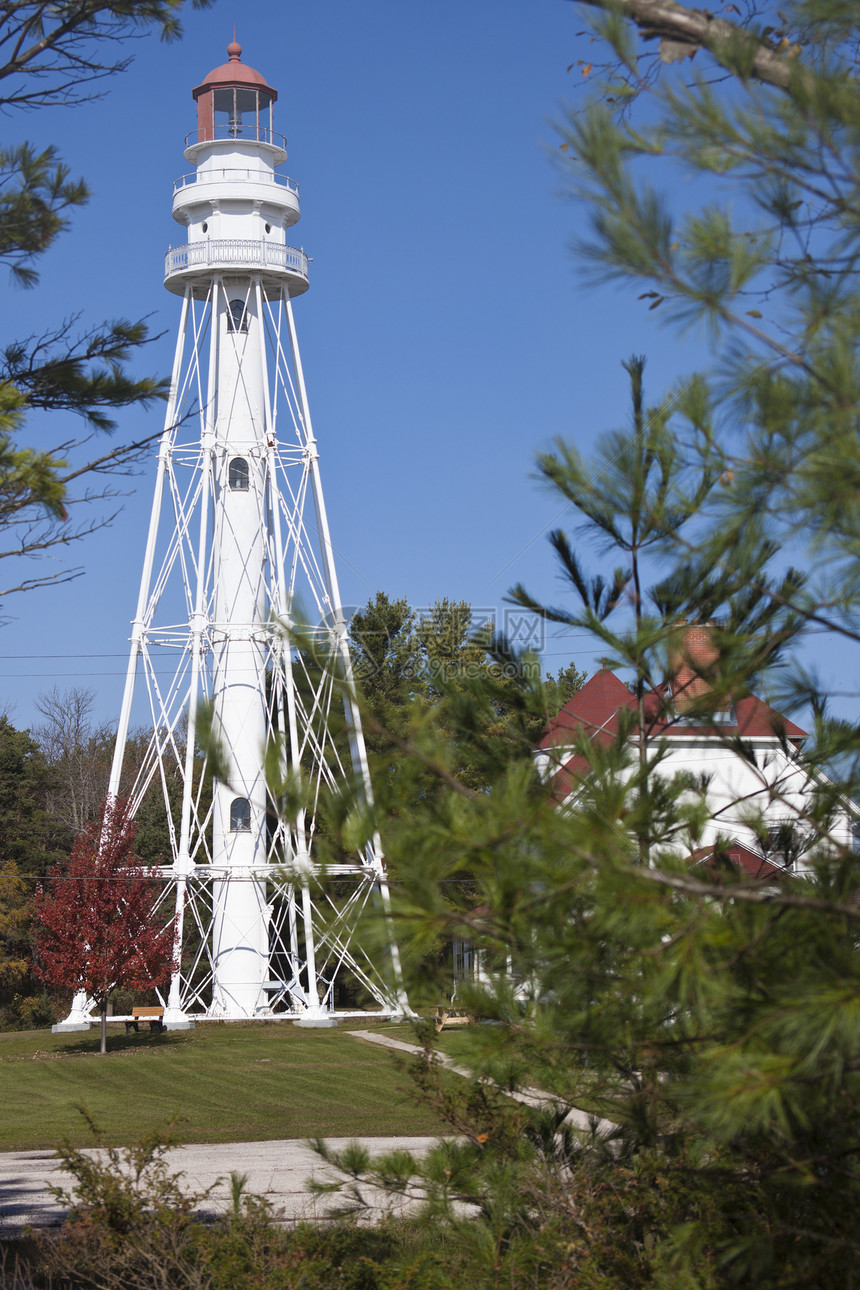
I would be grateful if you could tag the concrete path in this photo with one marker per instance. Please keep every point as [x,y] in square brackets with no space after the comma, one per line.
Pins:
[529,1096]
[277,1170]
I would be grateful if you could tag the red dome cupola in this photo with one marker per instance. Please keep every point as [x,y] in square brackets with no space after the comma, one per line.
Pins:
[234,101]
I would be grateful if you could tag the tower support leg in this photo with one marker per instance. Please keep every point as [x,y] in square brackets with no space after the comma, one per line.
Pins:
[79,1014]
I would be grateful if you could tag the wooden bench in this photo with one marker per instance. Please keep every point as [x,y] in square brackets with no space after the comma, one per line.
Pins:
[445,1016]
[152,1015]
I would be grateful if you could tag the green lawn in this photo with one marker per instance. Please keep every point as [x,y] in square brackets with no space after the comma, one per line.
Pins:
[239,1083]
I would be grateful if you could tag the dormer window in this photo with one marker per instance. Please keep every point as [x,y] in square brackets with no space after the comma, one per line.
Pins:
[701,719]
[237,475]
[240,815]
[237,316]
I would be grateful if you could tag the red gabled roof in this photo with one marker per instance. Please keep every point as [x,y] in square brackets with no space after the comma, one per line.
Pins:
[755,718]
[596,706]
[593,713]
[749,863]
[593,708]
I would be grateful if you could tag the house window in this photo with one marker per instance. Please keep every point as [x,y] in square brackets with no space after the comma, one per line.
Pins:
[238,475]
[237,316]
[784,843]
[240,815]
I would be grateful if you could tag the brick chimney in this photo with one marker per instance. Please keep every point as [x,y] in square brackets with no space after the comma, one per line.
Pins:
[694,660]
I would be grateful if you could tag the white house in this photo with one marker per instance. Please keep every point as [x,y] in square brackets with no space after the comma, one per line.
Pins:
[749,755]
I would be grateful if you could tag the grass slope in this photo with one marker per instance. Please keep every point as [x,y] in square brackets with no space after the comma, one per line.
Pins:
[238,1083]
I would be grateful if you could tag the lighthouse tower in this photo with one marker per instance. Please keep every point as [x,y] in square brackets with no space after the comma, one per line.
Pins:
[238,549]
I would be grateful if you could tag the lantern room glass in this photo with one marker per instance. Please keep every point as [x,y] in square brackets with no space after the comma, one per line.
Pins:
[241,112]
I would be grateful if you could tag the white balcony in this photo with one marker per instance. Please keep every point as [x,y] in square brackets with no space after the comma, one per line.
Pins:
[212,185]
[246,141]
[236,175]
[277,264]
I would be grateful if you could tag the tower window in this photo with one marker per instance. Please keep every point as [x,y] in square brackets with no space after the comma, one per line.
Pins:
[238,474]
[240,815]
[237,316]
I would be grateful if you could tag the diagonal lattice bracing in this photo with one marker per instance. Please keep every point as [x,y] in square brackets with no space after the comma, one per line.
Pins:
[292,700]
[238,555]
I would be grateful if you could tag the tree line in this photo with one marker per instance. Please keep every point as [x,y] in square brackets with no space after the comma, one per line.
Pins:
[53,782]
[53,778]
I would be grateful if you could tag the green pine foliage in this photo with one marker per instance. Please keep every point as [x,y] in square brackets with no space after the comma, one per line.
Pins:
[559,689]
[695,1034]
[411,667]
[704,1031]
[57,54]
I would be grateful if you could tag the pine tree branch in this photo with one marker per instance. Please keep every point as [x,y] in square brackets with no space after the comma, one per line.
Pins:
[730,44]
[744,892]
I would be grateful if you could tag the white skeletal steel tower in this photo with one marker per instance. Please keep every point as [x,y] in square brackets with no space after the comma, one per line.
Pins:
[238,537]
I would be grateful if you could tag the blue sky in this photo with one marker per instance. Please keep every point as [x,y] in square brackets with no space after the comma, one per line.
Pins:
[446,337]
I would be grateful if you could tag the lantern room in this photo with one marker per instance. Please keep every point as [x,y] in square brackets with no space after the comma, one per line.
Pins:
[234,102]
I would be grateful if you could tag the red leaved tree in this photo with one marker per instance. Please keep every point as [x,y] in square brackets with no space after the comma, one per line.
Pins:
[96,926]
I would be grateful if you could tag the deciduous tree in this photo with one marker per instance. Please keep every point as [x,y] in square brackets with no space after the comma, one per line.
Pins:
[97,919]
[31,842]
[14,924]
